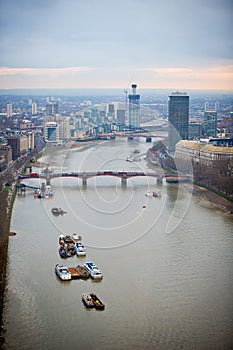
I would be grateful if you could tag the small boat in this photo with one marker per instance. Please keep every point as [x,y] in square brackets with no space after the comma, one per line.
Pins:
[74,273]
[62,272]
[95,272]
[61,239]
[97,302]
[37,192]
[152,194]
[149,194]
[71,248]
[157,194]
[57,211]
[87,300]
[80,249]
[68,239]
[83,272]
[63,252]
[76,237]
[129,159]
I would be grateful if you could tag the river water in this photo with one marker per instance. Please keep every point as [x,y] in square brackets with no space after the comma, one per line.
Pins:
[167,262]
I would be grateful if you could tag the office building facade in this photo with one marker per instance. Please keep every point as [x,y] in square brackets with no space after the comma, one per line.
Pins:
[178,117]
[210,123]
[121,116]
[51,132]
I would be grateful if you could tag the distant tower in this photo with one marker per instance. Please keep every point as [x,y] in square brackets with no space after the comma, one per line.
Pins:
[210,123]
[9,110]
[34,108]
[134,108]
[52,107]
[121,116]
[207,105]
[178,117]
[111,109]
[216,106]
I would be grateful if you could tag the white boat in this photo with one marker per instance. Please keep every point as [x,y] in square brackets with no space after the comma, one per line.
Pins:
[129,159]
[149,194]
[76,238]
[80,249]
[152,194]
[95,272]
[62,272]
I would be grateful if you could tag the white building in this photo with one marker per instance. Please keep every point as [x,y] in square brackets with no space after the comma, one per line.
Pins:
[34,108]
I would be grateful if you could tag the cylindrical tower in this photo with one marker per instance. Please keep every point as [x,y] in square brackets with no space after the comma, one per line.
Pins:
[134,108]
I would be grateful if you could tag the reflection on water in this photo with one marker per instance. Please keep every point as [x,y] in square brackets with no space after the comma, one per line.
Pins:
[167,276]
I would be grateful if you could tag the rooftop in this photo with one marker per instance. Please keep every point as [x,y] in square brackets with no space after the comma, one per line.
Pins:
[205,146]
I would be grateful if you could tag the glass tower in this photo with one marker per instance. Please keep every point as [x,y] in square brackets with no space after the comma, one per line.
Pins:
[210,123]
[178,117]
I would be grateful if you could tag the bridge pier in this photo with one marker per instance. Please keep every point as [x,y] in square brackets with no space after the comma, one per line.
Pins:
[47,173]
[159,181]
[84,180]
[123,181]
[148,139]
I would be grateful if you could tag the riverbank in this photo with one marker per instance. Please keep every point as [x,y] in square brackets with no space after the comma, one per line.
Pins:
[212,198]
[7,197]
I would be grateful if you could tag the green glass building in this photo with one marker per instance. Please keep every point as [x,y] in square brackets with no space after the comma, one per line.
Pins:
[178,117]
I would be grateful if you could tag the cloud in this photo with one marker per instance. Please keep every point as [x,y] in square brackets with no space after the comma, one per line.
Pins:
[42,71]
[220,72]
[219,77]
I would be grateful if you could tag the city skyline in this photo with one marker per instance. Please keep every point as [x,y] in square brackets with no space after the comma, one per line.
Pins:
[177,45]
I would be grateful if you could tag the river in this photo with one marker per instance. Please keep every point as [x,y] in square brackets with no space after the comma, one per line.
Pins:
[167,262]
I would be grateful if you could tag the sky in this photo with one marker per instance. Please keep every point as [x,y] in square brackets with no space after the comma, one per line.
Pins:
[175,44]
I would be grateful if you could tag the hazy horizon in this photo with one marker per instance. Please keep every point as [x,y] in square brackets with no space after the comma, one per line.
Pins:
[106,92]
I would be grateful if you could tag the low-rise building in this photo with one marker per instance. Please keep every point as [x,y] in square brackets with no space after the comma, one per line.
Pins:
[202,152]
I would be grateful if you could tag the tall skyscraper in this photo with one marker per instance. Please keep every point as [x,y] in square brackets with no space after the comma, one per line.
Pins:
[111,109]
[178,117]
[210,123]
[34,108]
[134,108]
[9,110]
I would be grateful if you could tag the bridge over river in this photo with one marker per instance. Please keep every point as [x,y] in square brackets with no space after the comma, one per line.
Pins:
[123,175]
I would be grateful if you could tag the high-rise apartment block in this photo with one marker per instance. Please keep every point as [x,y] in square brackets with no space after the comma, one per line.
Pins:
[111,109]
[178,117]
[121,116]
[52,107]
[134,108]
[210,123]
[34,108]
[9,110]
